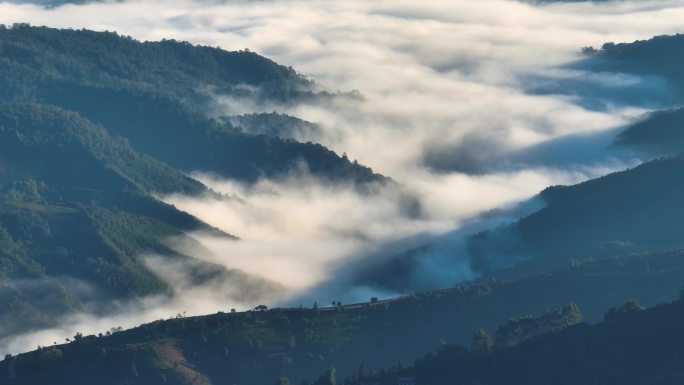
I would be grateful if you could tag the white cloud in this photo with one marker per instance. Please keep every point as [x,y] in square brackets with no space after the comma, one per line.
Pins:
[436,75]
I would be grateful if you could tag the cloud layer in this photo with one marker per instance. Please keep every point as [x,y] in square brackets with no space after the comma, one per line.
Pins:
[468,105]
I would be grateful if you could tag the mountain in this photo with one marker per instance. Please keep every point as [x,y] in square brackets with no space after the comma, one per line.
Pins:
[93,125]
[660,133]
[635,211]
[259,346]
[75,213]
[274,125]
[65,150]
[632,211]
[657,59]
[144,91]
[659,56]
[632,346]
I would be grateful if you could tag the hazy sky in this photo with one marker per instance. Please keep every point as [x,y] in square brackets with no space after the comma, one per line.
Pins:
[449,112]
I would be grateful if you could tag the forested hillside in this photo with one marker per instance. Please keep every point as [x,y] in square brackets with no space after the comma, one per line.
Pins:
[637,210]
[632,346]
[144,91]
[658,56]
[92,126]
[75,207]
[661,132]
[260,346]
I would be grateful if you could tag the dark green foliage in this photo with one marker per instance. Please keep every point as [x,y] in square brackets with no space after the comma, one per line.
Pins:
[520,329]
[629,307]
[194,142]
[84,118]
[108,60]
[274,125]
[74,203]
[638,210]
[157,95]
[260,346]
[482,342]
[661,55]
[64,150]
[661,133]
[327,378]
[643,347]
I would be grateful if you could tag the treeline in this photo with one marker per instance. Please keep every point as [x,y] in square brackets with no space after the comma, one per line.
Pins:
[632,346]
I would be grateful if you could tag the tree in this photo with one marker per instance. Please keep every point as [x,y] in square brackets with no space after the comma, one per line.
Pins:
[282,381]
[362,372]
[482,342]
[520,329]
[327,378]
[630,306]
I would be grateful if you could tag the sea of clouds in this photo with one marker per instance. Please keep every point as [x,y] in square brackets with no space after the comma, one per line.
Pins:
[470,106]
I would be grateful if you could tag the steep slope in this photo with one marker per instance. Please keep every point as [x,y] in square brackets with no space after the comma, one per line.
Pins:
[152,90]
[637,210]
[260,346]
[91,126]
[107,60]
[661,133]
[75,212]
[660,56]
[631,346]
[656,62]
[64,150]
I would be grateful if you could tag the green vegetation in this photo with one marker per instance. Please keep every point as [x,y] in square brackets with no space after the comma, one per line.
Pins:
[636,347]
[108,60]
[661,133]
[274,125]
[75,203]
[261,346]
[658,56]
[146,91]
[64,150]
[92,124]
[520,329]
[633,211]
[659,60]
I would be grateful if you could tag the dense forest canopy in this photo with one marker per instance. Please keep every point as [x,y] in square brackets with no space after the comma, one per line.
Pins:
[142,91]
